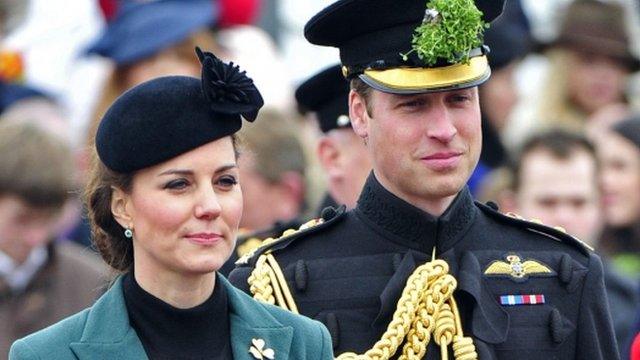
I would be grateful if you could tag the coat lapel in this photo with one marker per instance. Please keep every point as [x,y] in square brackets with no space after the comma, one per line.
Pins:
[250,323]
[107,333]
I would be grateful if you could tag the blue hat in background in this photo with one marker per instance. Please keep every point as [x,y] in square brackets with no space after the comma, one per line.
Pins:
[142,28]
[12,93]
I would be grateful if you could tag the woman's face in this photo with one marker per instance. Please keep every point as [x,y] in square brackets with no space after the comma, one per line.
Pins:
[184,212]
[620,161]
[595,80]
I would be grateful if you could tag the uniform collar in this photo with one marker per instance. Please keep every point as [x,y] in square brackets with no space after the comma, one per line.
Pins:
[410,226]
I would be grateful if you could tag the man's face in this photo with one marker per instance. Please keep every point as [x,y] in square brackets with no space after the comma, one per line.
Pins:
[423,147]
[561,192]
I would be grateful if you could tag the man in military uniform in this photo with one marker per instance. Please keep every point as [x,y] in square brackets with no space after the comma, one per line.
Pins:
[342,155]
[417,269]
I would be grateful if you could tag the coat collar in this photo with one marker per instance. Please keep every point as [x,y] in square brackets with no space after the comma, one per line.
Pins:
[108,335]
[408,225]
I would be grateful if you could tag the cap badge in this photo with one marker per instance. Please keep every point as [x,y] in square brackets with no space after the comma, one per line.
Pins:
[516,269]
[259,351]
[430,15]
[343,120]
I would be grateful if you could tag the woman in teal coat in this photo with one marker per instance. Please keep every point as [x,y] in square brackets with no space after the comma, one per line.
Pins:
[164,202]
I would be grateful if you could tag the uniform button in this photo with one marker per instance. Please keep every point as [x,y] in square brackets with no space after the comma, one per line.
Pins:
[334,329]
[555,326]
[397,259]
[566,269]
[301,275]
[492,205]
[328,213]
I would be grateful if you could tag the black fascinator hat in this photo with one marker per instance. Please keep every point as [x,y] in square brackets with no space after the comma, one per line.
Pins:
[168,116]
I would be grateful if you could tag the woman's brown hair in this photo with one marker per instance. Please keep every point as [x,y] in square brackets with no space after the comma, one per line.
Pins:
[107,235]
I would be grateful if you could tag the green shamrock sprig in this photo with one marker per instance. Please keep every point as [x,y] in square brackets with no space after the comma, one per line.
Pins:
[451,28]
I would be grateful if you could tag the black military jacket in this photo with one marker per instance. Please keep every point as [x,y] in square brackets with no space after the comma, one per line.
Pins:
[349,273]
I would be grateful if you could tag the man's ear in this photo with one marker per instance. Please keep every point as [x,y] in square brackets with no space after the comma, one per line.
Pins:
[120,208]
[358,114]
[329,156]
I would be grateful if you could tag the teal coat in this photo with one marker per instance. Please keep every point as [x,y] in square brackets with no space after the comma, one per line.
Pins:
[103,332]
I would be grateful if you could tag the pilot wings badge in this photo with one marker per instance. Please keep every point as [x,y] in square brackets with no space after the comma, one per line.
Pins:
[518,270]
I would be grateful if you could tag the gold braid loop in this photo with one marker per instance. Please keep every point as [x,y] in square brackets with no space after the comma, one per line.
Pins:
[445,329]
[463,348]
[259,282]
[268,284]
[426,308]
[419,335]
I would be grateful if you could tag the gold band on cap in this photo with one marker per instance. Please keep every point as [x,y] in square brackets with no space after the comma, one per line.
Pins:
[408,79]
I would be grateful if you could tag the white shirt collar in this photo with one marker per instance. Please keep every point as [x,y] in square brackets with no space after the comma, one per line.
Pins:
[18,276]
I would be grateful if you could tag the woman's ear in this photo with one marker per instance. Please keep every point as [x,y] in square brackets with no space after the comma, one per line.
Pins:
[358,114]
[120,208]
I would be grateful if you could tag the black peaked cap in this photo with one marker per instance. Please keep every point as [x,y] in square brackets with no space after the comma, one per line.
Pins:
[370,31]
[326,94]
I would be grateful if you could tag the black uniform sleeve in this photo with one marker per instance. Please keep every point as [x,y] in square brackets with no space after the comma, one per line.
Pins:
[596,339]
[239,276]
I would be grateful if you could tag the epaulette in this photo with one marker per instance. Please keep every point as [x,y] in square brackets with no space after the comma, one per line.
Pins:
[329,217]
[251,240]
[556,233]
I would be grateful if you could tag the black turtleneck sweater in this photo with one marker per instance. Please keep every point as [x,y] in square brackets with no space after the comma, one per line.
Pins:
[166,332]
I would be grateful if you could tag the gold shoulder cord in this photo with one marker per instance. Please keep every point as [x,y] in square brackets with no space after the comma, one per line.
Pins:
[426,308]
[267,282]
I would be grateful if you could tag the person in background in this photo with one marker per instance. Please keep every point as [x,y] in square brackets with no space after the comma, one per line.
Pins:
[342,154]
[166,215]
[41,281]
[145,40]
[619,153]
[556,181]
[509,40]
[589,66]
[273,169]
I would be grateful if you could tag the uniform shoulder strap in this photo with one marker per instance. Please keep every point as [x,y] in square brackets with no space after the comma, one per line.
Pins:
[329,217]
[556,233]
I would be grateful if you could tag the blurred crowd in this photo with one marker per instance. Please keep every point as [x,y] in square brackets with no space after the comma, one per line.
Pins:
[561,130]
